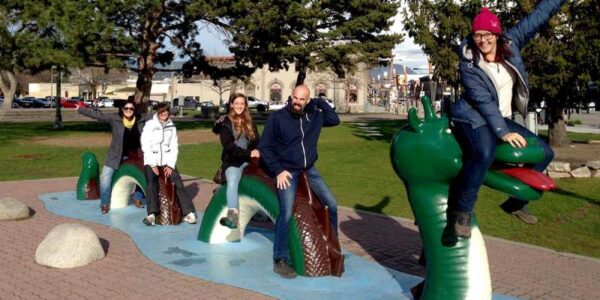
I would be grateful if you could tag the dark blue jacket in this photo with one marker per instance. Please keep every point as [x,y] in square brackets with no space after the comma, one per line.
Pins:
[289,142]
[478,104]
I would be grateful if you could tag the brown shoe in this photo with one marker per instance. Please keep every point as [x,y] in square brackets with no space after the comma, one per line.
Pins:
[138,203]
[104,209]
[282,268]
[523,215]
[462,226]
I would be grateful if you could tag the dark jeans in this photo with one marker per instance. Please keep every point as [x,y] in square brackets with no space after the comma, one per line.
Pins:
[479,148]
[185,200]
[286,205]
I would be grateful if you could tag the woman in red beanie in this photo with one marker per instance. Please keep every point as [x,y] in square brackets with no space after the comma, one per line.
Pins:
[493,76]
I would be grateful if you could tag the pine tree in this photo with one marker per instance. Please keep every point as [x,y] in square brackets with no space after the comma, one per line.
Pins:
[313,35]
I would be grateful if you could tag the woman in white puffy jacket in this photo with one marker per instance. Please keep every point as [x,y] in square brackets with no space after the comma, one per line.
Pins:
[160,146]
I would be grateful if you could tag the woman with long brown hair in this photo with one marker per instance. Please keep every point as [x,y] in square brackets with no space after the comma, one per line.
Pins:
[239,138]
[494,81]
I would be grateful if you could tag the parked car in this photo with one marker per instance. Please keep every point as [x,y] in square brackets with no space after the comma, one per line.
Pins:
[273,106]
[41,103]
[25,102]
[188,102]
[207,104]
[52,100]
[72,103]
[258,105]
[104,102]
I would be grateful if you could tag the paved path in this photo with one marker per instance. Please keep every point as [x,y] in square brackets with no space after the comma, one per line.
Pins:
[517,269]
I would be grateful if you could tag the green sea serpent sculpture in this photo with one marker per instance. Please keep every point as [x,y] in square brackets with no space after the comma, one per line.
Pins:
[427,157]
[314,245]
[89,178]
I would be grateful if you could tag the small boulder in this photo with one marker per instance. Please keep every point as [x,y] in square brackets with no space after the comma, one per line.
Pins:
[69,245]
[13,209]
[593,164]
[559,166]
[582,172]
[596,174]
[558,175]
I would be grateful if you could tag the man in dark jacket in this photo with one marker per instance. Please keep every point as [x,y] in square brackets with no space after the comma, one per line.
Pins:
[288,147]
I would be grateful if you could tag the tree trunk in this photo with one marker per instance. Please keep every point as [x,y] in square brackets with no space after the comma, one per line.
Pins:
[557,130]
[8,85]
[150,32]
[301,74]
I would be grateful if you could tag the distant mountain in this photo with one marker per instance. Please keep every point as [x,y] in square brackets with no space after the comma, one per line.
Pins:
[398,68]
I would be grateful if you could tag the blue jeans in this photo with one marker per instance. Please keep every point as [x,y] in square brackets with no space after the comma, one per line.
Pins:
[479,149]
[233,176]
[106,186]
[286,204]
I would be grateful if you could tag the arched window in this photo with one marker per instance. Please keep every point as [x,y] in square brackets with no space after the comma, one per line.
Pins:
[249,89]
[275,92]
[353,93]
[321,89]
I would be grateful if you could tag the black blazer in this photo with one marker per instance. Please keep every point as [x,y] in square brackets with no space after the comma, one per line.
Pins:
[232,155]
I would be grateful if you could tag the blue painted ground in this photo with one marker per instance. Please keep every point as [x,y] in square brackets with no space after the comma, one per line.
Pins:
[246,264]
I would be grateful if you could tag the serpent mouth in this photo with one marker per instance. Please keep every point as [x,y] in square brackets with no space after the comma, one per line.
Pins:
[510,175]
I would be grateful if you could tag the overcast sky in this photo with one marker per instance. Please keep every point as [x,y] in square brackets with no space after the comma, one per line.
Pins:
[406,53]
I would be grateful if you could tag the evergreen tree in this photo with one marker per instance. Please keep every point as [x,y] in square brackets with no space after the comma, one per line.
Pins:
[561,61]
[439,26]
[36,35]
[313,35]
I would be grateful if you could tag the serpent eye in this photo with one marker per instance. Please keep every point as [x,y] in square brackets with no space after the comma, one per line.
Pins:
[448,131]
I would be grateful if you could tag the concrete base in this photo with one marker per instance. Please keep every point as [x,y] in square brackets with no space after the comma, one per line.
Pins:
[245,264]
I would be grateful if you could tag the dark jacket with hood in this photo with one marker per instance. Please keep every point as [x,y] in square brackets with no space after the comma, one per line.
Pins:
[289,141]
[478,105]
[233,155]
[115,151]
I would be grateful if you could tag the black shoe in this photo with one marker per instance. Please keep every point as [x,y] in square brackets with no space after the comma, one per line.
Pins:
[282,268]
[462,226]
[231,221]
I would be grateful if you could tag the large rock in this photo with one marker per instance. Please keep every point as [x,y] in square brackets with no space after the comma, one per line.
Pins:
[582,172]
[69,245]
[596,173]
[13,209]
[559,166]
[594,164]
[558,175]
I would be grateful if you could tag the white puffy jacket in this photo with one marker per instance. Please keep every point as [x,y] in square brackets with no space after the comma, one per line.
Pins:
[159,143]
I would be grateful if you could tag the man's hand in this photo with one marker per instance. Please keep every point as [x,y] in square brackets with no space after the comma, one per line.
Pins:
[515,140]
[168,171]
[155,170]
[255,153]
[283,180]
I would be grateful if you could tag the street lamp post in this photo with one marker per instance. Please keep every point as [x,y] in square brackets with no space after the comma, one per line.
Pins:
[51,83]
[58,117]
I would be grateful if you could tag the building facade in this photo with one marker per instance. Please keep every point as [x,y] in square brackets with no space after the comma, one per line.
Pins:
[349,94]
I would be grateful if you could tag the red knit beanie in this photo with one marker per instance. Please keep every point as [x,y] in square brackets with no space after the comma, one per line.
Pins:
[486,20]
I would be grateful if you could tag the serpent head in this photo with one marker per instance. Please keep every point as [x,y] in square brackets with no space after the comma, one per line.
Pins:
[425,151]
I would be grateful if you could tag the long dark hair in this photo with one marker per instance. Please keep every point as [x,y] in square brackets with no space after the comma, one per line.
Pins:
[502,48]
[241,123]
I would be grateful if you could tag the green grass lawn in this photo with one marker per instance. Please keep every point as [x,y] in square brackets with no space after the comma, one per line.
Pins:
[356,167]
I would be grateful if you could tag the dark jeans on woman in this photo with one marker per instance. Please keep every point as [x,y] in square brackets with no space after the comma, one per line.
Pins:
[479,149]
[185,200]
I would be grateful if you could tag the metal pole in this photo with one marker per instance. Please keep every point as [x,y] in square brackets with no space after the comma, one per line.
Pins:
[51,83]
[58,117]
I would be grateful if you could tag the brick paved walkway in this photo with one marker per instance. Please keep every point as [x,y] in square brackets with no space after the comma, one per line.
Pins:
[517,269]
